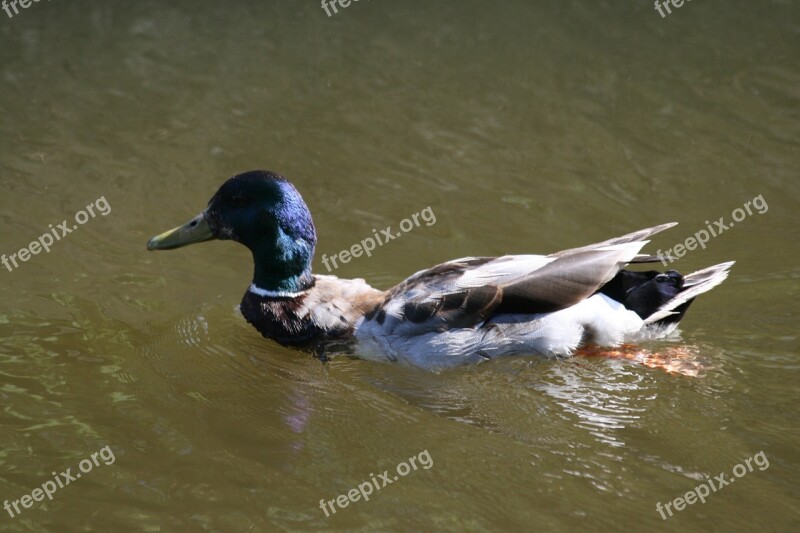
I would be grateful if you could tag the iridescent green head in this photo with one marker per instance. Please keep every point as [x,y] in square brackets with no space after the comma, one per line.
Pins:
[263,211]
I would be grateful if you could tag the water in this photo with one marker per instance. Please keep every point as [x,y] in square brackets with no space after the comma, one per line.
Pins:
[526,129]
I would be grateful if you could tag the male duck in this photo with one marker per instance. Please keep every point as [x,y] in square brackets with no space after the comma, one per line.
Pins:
[463,311]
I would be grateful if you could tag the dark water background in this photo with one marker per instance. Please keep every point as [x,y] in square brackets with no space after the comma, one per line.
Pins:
[527,127]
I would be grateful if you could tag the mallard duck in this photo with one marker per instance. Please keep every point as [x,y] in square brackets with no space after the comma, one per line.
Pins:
[463,311]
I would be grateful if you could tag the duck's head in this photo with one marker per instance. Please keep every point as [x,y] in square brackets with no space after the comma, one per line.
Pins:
[263,211]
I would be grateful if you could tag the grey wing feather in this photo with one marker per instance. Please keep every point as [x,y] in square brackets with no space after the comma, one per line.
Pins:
[569,279]
[467,292]
[635,236]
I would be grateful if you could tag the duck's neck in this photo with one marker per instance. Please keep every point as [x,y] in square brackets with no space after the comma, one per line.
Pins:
[283,269]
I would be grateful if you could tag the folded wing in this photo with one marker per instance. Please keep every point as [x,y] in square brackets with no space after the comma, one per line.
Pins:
[466,292]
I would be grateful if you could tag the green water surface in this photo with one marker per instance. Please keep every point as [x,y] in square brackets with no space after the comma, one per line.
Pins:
[527,127]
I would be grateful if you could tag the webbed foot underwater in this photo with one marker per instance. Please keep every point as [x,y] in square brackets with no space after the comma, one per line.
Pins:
[463,311]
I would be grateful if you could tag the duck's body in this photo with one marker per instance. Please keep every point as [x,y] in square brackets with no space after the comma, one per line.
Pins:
[463,311]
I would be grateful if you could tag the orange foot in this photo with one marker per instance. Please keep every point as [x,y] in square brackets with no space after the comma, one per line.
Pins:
[675,360]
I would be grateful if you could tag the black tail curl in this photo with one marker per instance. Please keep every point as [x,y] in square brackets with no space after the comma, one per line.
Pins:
[646,292]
